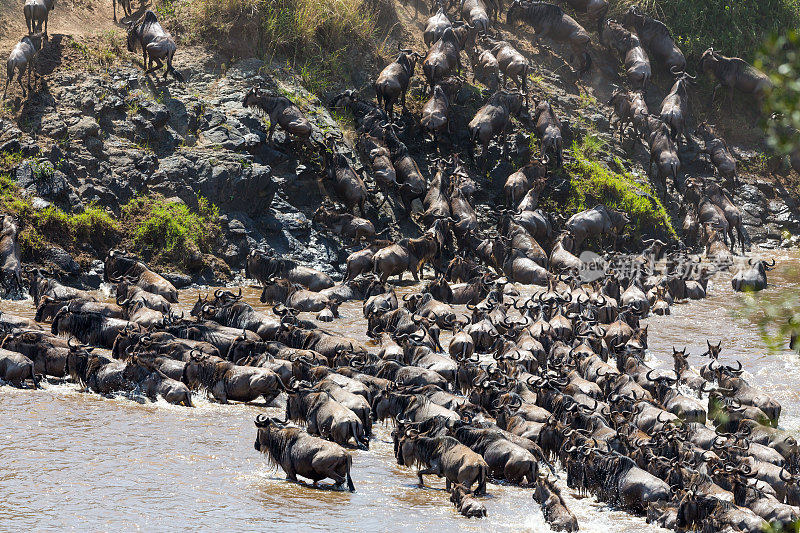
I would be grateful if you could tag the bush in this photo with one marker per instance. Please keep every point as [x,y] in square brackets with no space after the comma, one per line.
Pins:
[96,227]
[593,183]
[170,232]
[733,27]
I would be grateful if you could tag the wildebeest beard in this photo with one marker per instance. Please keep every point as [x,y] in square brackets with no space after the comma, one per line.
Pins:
[278,446]
[209,373]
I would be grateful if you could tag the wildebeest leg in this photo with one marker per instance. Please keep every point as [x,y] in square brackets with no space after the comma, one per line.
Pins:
[115,9]
[218,391]
[714,94]
[5,90]
[46,18]
[19,80]
[271,131]
[427,471]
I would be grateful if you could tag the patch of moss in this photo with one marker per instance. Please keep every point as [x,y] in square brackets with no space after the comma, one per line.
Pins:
[592,183]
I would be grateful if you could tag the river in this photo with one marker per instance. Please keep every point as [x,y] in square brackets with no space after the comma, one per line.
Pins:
[77,460]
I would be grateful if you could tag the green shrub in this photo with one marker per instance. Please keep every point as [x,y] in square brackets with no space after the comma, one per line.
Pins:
[170,232]
[96,227]
[592,183]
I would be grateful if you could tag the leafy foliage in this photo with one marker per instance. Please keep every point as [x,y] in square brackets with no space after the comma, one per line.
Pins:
[780,57]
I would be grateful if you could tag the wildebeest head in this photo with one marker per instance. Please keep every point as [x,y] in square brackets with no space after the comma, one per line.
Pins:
[256,97]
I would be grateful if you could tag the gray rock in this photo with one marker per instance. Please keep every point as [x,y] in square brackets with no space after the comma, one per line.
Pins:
[85,128]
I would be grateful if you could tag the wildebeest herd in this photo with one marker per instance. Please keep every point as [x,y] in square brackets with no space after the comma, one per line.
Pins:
[512,362]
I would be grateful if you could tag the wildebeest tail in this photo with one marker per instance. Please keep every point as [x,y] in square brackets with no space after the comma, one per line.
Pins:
[350,485]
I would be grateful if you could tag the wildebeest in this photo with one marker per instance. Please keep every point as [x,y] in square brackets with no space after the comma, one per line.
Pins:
[465,503]
[752,279]
[295,296]
[126,8]
[119,265]
[300,454]
[663,152]
[550,21]
[513,65]
[281,111]
[717,150]
[261,265]
[10,264]
[444,457]
[37,13]
[548,128]
[41,287]
[486,70]
[596,222]
[435,26]
[325,416]
[630,50]
[436,112]
[15,368]
[156,43]
[656,37]
[735,73]
[520,182]
[90,328]
[675,108]
[408,254]
[555,510]
[493,119]
[629,108]
[392,82]
[226,381]
[475,13]
[345,224]
[346,182]
[23,58]
[444,55]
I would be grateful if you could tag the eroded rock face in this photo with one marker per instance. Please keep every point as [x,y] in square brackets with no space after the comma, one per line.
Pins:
[106,138]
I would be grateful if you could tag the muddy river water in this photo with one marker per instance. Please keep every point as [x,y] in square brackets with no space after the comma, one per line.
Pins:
[79,461]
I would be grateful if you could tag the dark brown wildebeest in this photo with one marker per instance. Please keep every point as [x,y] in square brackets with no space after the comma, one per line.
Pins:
[629,108]
[465,503]
[486,70]
[513,65]
[522,181]
[408,254]
[550,21]
[656,37]
[675,108]
[325,416]
[663,153]
[493,119]
[444,457]
[16,369]
[596,222]
[10,264]
[627,45]
[156,43]
[435,26]
[346,181]
[119,265]
[444,54]
[735,73]
[548,128]
[555,510]
[261,265]
[392,82]
[281,111]
[37,13]
[360,262]
[300,454]
[344,224]
[226,381]
[717,150]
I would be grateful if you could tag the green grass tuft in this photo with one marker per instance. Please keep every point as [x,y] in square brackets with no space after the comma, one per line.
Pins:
[593,183]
